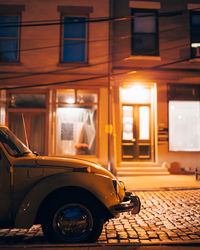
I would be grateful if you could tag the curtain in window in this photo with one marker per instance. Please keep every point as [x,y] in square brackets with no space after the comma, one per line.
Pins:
[32,126]
[76,131]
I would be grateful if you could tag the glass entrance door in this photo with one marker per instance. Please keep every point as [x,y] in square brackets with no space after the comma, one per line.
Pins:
[136,136]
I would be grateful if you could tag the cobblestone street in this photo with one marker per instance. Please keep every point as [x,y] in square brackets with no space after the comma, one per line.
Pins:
[165,216]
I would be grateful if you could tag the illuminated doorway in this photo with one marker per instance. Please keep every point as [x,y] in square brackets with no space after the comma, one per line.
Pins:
[138,118]
[136,141]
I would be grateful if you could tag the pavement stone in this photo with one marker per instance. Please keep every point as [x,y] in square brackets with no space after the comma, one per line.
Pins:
[165,216]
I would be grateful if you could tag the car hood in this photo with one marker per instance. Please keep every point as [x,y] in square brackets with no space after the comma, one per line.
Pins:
[73,163]
[47,161]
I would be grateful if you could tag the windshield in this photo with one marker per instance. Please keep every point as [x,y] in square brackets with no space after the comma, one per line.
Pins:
[12,144]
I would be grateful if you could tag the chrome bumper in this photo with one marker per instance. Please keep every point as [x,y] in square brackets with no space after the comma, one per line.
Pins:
[131,203]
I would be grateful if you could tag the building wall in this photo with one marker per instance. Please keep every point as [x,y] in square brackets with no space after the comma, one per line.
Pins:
[40,66]
[173,65]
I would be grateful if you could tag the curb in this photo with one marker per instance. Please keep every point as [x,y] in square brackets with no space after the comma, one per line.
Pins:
[103,246]
[150,189]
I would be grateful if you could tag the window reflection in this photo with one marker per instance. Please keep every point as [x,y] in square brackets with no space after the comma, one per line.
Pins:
[27,100]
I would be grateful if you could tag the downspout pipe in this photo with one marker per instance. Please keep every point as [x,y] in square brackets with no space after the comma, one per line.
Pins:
[110,36]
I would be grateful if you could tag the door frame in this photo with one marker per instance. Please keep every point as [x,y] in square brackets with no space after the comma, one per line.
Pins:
[152,103]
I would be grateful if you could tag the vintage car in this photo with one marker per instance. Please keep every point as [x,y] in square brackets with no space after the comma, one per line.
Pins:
[70,198]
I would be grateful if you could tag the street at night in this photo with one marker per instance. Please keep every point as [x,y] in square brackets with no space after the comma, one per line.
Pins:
[100,124]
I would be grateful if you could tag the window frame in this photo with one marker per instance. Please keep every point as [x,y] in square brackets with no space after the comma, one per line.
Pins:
[17,38]
[156,33]
[75,104]
[32,110]
[13,10]
[62,39]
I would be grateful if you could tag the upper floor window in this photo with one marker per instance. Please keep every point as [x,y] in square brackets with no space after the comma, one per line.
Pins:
[74,39]
[144,32]
[195,34]
[9,38]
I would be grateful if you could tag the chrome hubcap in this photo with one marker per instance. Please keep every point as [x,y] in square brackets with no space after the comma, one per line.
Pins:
[73,222]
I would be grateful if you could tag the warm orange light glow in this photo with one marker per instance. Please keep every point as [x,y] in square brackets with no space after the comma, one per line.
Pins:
[144,123]
[136,94]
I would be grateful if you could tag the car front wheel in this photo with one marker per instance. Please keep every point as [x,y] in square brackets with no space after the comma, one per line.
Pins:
[72,221]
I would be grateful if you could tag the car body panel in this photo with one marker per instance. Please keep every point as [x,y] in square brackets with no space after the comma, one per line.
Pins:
[92,183]
[31,179]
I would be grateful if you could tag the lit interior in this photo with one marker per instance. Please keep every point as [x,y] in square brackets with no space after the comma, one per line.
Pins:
[144,123]
[184,125]
[135,94]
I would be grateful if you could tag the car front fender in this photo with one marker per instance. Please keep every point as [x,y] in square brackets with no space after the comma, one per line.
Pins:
[99,185]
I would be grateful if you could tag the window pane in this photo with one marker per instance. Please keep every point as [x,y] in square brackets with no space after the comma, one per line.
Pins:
[9,39]
[137,94]
[85,97]
[16,125]
[76,130]
[27,101]
[127,123]
[74,27]
[66,96]
[144,42]
[8,50]
[144,123]
[144,33]
[145,24]
[73,51]
[195,19]
[9,31]
[37,133]
[195,38]
[184,125]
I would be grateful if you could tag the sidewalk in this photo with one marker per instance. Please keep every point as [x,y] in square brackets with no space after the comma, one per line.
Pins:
[160,182]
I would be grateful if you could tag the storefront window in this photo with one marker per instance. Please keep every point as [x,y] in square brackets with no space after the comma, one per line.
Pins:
[27,100]
[76,124]
[67,96]
[86,97]
[27,119]
[184,125]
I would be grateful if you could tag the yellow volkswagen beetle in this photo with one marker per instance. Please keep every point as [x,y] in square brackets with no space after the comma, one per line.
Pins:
[70,198]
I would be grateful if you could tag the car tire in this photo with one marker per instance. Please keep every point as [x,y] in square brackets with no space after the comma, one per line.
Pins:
[72,220]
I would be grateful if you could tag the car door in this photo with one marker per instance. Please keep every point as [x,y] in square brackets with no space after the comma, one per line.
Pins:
[5,191]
